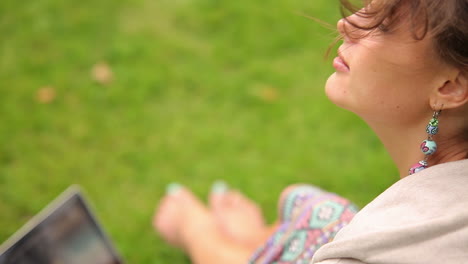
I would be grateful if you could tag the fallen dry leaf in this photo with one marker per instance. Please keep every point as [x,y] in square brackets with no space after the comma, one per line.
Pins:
[266,93]
[102,73]
[46,95]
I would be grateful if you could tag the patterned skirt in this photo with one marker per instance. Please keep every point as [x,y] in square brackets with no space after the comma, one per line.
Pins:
[309,218]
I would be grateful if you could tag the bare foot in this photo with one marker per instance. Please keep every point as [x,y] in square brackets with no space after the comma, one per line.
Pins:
[238,218]
[177,213]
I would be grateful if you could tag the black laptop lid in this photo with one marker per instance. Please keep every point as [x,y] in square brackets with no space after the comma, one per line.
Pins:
[65,232]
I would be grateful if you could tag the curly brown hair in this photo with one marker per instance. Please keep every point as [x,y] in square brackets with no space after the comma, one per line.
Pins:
[445,21]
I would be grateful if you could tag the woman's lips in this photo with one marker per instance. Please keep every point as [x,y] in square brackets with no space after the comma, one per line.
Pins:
[340,65]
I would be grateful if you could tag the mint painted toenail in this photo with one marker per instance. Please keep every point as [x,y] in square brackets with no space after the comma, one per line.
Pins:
[219,187]
[173,188]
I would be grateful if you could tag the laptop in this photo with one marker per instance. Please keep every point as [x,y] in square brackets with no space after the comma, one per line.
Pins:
[65,232]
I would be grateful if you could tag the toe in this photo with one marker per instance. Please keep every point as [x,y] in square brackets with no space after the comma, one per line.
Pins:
[217,196]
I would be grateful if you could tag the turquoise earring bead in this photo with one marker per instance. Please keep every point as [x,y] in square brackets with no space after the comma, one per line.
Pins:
[428,147]
[433,126]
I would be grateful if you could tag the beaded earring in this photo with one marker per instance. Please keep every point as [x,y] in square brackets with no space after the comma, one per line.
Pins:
[428,146]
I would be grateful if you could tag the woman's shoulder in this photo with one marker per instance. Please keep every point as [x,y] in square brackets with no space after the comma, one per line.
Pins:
[419,213]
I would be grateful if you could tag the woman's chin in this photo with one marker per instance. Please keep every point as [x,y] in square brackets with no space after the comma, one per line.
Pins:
[336,93]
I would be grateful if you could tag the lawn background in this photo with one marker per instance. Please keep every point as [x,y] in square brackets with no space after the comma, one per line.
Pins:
[201,90]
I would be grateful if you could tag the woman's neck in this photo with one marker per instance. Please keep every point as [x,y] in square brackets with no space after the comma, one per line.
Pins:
[405,148]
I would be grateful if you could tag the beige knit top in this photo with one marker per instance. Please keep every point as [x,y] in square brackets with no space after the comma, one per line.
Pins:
[422,218]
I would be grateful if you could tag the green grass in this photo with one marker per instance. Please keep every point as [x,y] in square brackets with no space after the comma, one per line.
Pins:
[202,90]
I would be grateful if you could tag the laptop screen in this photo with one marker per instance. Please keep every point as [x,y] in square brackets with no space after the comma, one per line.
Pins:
[65,233]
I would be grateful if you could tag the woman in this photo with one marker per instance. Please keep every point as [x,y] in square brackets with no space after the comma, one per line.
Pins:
[403,68]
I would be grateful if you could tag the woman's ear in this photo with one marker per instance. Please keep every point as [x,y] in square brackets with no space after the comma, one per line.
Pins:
[452,94]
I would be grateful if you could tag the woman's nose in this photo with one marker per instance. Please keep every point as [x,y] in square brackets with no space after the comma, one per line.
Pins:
[340,26]
[347,31]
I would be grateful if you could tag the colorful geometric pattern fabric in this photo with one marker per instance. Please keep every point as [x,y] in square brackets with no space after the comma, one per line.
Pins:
[309,218]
